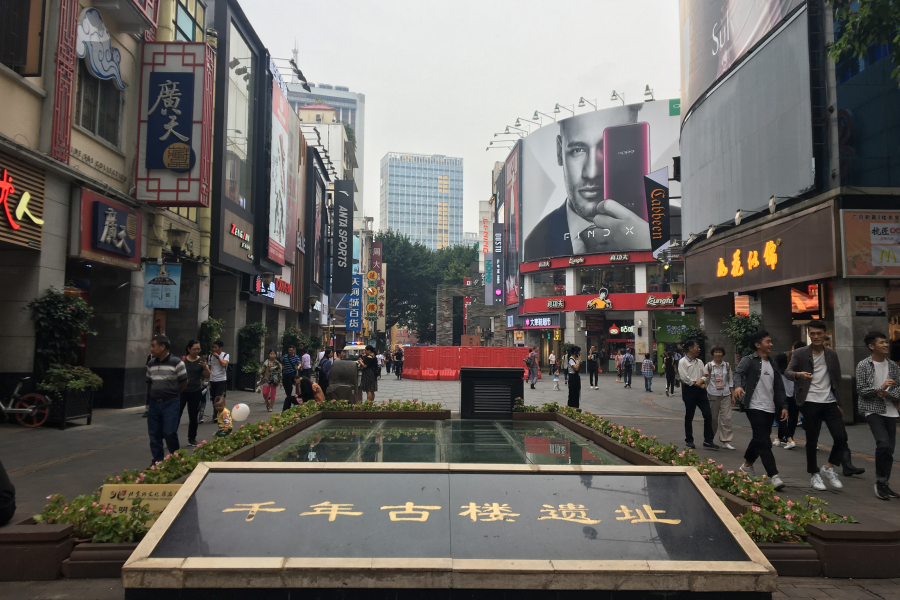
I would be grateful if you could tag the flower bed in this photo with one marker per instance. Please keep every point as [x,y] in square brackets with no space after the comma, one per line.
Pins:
[96,521]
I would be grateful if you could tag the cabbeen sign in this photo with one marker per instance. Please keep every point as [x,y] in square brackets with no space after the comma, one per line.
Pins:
[175,124]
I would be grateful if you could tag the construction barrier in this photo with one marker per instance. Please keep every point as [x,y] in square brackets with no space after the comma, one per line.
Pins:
[432,363]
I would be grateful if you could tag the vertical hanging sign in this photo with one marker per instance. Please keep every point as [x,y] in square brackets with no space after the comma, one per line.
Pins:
[382,296]
[342,269]
[354,305]
[498,264]
[372,278]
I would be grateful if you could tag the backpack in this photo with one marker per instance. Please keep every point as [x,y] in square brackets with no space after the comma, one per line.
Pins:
[529,362]
[629,361]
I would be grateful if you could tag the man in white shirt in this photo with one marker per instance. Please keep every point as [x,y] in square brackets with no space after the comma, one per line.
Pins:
[816,373]
[218,373]
[758,386]
[693,393]
[380,358]
[552,361]
[878,389]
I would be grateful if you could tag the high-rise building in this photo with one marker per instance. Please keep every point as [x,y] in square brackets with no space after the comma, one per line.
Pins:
[422,197]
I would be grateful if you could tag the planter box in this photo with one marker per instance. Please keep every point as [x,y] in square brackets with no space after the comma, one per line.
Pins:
[74,405]
[793,560]
[34,552]
[735,505]
[534,416]
[437,415]
[626,453]
[97,561]
[868,550]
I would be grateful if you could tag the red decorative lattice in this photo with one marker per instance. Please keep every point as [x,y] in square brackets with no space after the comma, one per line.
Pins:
[64,87]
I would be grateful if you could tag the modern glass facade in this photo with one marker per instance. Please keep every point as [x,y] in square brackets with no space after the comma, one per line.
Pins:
[422,197]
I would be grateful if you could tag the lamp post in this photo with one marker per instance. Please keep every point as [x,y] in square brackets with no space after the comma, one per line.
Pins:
[648,92]
[537,112]
[617,96]
[557,107]
[581,102]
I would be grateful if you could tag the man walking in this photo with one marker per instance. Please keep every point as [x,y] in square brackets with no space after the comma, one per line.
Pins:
[532,363]
[167,378]
[218,373]
[816,373]
[290,363]
[719,381]
[759,388]
[878,389]
[593,365]
[306,364]
[693,393]
[647,371]
[627,367]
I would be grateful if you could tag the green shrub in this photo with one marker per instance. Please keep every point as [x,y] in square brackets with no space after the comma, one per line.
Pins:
[61,377]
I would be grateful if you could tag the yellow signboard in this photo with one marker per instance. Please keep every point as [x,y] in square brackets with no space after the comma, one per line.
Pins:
[122,496]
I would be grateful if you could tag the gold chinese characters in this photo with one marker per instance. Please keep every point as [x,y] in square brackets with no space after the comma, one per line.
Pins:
[770,257]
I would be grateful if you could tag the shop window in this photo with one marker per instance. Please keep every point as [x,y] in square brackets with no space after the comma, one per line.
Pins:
[239,124]
[616,279]
[21,35]
[189,20]
[552,283]
[98,106]
[659,278]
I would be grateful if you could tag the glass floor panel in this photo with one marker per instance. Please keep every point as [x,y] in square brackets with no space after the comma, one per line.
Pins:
[450,441]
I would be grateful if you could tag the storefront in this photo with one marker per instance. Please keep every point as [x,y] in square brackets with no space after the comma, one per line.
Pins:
[541,331]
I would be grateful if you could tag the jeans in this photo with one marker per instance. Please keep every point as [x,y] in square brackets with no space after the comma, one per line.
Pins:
[287,381]
[814,414]
[761,444]
[627,377]
[884,430]
[786,429]
[532,375]
[670,382]
[192,401]
[648,382]
[593,375]
[162,423]
[695,397]
[720,407]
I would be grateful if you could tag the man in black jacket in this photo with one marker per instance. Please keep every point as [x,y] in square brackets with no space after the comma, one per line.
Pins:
[759,388]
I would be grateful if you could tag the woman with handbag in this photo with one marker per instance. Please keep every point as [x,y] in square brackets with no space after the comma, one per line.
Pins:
[573,362]
[270,379]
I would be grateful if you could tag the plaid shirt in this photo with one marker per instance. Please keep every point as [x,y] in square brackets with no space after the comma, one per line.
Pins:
[869,402]
[647,367]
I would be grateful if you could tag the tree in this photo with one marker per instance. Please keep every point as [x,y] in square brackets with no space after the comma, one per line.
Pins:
[351,135]
[862,24]
[739,328]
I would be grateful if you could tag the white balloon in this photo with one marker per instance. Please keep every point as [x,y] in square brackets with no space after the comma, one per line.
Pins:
[240,412]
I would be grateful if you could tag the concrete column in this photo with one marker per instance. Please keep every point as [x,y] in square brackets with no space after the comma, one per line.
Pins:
[225,303]
[571,284]
[643,342]
[119,351]
[275,318]
[183,323]
[640,278]
[715,311]
[572,334]
[774,304]
[27,275]
[527,281]
[848,331]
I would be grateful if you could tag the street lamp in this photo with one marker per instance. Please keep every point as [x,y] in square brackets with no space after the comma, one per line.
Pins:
[581,102]
[649,92]
[510,126]
[618,96]
[537,112]
[521,135]
[557,107]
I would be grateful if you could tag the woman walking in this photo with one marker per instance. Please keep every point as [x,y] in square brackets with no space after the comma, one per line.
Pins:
[197,373]
[593,366]
[719,381]
[573,362]
[270,379]
[671,370]
[325,369]
[620,356]
[369,365]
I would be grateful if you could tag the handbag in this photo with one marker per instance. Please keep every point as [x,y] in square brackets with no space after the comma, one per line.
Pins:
[678,383]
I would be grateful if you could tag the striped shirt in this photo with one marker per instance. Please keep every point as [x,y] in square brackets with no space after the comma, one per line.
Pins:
[647,367]
[165,377]
[290,362]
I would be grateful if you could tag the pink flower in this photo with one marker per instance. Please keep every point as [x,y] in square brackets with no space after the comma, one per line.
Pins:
[755,509]
[790,504]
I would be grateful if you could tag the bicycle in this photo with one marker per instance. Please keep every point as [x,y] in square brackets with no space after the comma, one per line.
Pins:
[31,410]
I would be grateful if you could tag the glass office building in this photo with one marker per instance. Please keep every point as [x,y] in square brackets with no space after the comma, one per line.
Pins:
[422,197]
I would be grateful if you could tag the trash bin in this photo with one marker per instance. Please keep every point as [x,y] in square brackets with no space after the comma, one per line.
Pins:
[489,392]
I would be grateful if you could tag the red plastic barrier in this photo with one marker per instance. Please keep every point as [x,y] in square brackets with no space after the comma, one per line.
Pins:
[467,356]
[448,357]
[483,356]
[430,375]
[412,358]
[412,373]
[448,374]
[430,358]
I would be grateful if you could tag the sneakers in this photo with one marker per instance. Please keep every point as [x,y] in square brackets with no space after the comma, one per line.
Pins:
[817,483]
[710,445]
[881,492]
[192,443]
[690,445]
[777,443]
[667,392]
[728,446]
[777,482]
[748,470]
[891,492]
[790,445]
[849,470]
[832,478]
[146,412]
[200,421]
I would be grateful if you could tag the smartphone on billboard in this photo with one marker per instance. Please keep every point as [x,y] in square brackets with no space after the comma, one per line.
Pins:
[626,159]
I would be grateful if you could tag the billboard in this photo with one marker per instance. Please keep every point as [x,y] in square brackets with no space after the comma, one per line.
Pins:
[279,201]
[582,180]
[871,241]
[715,34]
[342,268]
[511,220]
[162,285]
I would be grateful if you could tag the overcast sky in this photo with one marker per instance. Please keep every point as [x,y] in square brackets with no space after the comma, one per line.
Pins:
[442,78]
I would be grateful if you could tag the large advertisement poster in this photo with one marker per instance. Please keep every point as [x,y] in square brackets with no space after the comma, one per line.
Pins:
[278,189]
[511,218]
[342,265]
[294,182]
[871,243]
[583,180]
[715,34]
[317,242]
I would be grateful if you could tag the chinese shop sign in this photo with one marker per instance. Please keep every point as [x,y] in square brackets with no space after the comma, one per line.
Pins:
[22,200]
[151,497]
[354,305]
[110,233]
[175,124]
[871,243]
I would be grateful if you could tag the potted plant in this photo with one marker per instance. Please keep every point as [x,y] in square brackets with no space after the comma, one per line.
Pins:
[250,340]
[738,329]
[72,390]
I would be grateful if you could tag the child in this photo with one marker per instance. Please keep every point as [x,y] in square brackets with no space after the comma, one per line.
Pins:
[555,368]
[223,417]
[647,370]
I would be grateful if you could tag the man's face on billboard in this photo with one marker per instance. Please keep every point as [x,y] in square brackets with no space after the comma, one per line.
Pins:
[579,151]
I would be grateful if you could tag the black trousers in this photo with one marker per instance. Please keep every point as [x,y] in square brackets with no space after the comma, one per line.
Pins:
[592,372]
[289,402]
[398,369]
[216,389]
[884,430]
[761,444]
[287,382]
[670,381]
[627,371]
[574,390]
[192,401]
[786,429]
[694,397]
[814,414]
